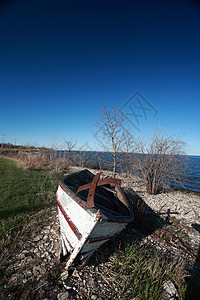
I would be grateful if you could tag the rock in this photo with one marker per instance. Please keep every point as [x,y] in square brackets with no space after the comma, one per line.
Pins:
[63,296]
[28,274]
[24,281]
[45,254]
[169,291]
[46,287]
[36,271]
[37,238]
[21,256]
[29,253]
[64,274]
[92,282]
[93,297]
[29,258]
[36,250]
[67,284]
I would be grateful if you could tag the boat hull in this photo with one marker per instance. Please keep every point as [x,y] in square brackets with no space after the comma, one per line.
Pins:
[84,230]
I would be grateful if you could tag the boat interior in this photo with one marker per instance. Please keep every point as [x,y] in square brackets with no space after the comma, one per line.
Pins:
[107,197]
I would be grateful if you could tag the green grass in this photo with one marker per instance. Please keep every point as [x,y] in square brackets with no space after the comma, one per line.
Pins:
[24,195]
[24,190]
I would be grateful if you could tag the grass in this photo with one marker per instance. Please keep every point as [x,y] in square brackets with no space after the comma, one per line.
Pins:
[138,272]
[24,194]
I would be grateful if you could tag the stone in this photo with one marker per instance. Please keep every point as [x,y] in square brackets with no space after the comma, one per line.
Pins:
[64,275]
[36,250]
[169,291]
[29,253]
[45,287]
[92,282]
[63,296]
[37,238]
[36,271]
[28,274]
[67,284]
[24,281]
[29,258]
[21,256]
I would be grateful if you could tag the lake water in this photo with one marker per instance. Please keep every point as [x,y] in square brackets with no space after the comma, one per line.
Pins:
[191,181]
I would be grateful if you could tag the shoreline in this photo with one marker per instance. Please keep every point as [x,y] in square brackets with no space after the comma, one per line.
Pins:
[191,183]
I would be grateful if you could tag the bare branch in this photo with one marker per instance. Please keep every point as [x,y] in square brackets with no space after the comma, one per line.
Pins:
[70,144]
[161,161]
[110,130]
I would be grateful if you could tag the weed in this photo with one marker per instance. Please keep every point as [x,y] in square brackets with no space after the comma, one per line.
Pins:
[139,271]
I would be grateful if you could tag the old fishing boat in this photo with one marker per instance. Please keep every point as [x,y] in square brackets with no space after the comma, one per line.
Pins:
[91,211]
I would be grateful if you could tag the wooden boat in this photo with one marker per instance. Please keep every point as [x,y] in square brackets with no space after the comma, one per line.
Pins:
[91,211]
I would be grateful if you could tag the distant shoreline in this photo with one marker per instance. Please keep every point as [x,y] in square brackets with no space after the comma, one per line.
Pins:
[190,184]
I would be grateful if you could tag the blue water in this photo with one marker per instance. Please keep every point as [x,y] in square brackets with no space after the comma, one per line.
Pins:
[192,181]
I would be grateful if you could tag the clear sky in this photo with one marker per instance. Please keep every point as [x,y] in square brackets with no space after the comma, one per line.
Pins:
[61,61]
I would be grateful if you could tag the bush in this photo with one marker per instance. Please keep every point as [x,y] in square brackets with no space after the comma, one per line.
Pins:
[161,161]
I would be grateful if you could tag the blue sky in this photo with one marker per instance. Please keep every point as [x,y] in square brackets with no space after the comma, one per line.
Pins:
[61,61]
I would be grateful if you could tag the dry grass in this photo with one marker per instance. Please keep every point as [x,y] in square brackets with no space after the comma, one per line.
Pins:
[40,161]
[140,271]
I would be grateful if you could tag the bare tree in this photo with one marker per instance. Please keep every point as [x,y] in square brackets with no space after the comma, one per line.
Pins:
[70,144]
[110,132]
[55,147]
[80,159]
[98,159]
[161,160]
[3,135]
[128,149]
